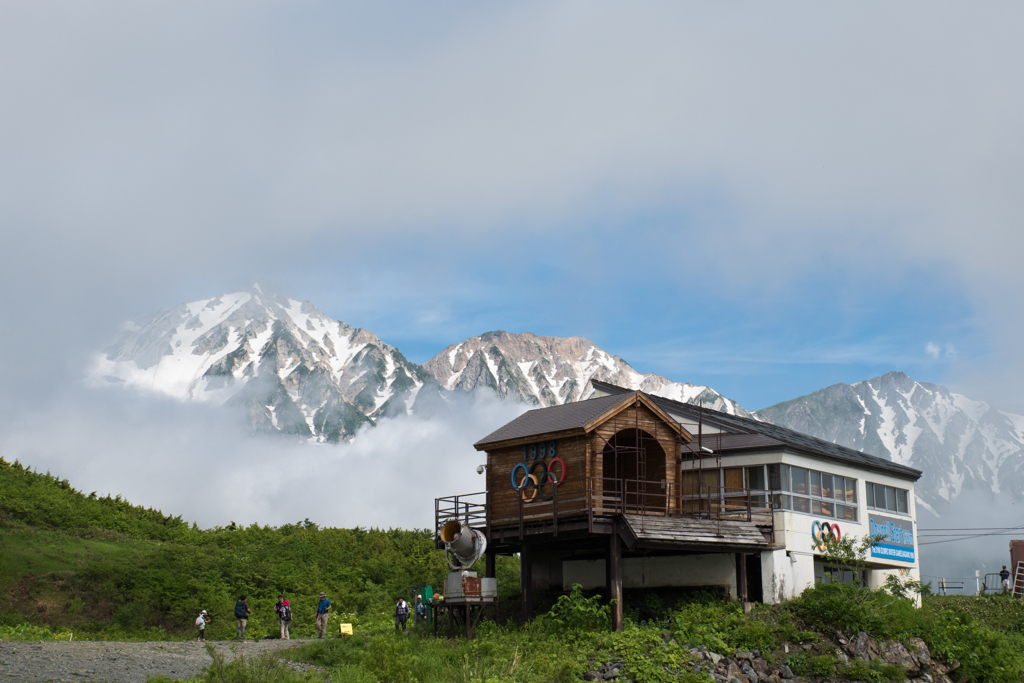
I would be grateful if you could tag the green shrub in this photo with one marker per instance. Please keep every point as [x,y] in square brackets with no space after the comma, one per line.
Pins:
[984,653]
[576,612]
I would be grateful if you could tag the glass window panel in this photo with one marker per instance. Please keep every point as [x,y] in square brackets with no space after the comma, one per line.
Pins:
[840,490]
[825,508]
[781,501]
[846,512]
[799,475]
[801,504]
[785,478]
[851,490]
[755,478]
[773,478]
[826,485]
[870,489]
[816,484]
[890,498]
[901,500]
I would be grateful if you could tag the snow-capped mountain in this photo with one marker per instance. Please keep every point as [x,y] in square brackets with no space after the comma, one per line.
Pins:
[292,369]
[958,443]
[552,370]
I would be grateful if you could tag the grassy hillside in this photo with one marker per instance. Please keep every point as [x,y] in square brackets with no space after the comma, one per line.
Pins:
[103,568]
[108,568]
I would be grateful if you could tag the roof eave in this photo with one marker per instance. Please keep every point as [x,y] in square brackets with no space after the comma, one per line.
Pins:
[524,440]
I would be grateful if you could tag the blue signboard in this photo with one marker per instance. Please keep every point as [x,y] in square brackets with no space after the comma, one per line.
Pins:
[898,538]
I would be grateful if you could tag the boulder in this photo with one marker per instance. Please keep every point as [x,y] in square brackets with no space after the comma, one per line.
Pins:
[920,652]
[863,647]
[894,652]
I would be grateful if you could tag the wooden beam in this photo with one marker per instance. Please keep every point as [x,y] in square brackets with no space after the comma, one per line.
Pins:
[526,580]
[615,580]
[489,563]
[741,576]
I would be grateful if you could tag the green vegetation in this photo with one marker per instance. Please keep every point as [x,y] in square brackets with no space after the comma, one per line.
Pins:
[107,569]
[101,568]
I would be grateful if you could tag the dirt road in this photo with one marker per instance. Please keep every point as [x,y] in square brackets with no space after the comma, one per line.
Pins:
[85,661]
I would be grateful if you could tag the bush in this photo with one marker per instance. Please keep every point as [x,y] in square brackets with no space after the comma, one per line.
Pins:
[984,654]
[576,612]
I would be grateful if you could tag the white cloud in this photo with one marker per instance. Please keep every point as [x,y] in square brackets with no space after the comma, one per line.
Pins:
[933,350]
[189,460]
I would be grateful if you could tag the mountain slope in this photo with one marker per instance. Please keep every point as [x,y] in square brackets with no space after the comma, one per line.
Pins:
[292,369]
[958,443]
[547,371]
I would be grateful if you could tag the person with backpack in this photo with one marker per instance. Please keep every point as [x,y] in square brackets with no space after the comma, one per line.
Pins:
[242,615]
[401,613]
[201,621]
[284,613]
[322,608]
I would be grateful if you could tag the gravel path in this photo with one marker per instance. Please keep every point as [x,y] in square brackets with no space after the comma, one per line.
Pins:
[120,662]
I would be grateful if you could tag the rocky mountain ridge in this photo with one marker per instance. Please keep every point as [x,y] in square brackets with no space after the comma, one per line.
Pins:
[546,371]
[960,444]
[293,370]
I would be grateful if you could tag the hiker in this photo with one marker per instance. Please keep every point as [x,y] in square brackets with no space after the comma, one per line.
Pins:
[201,621]
[1004,575]
[401,613]
[421,610]
[242,614]
[322,608]
[284,613]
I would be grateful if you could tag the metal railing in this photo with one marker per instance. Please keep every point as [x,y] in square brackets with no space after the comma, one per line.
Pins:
[675,499]
[469,508]
[606,496]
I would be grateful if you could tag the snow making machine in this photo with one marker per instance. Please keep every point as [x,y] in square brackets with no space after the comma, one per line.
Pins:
[466,595]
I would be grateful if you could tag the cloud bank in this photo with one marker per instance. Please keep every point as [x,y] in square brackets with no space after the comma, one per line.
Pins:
[196,462]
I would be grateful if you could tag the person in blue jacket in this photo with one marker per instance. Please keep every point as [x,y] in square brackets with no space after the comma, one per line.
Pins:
[322,608]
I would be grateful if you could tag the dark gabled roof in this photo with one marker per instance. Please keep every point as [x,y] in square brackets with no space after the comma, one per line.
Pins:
[567,416]
[781,436]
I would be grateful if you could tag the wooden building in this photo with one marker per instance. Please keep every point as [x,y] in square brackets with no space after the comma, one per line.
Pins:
[629,490]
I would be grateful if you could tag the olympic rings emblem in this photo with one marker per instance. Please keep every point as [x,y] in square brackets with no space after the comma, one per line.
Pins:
[904,571]
[821,532]
[539,476]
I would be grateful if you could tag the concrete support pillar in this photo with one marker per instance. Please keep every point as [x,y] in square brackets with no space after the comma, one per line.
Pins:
[741,577]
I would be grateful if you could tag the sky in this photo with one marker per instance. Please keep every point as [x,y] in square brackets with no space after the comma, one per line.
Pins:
[767,200]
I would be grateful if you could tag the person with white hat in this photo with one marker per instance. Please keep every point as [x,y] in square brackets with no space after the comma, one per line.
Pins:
[201,622]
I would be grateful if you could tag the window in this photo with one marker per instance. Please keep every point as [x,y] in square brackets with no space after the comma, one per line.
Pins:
[813,492]
[887,498]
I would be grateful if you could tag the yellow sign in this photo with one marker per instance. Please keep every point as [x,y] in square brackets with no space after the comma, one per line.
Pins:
[346,629]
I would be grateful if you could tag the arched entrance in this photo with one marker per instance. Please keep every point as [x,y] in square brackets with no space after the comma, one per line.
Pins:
[633,464]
